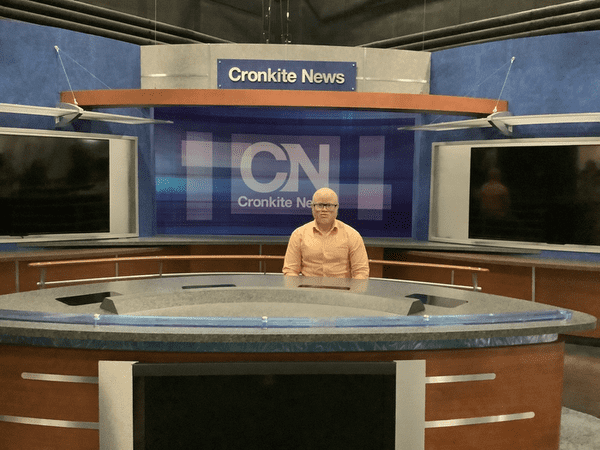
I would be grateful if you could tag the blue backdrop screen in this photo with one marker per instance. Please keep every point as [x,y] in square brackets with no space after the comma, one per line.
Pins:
[253,171]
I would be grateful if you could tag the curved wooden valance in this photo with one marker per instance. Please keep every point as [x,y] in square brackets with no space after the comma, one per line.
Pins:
[410,103]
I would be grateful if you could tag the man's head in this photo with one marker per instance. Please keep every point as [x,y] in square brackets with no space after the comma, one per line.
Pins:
[325,207]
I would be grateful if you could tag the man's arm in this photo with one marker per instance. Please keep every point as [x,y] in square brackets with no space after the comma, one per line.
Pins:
[292,263]
[359,260]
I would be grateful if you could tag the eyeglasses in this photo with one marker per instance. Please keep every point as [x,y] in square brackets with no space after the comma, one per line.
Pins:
[326,206]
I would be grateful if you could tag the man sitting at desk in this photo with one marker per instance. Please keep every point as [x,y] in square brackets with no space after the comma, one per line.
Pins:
[326,247]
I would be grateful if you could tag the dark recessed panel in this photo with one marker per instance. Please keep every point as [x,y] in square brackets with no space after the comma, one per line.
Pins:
[434,300]
[266,411]
[85,299]
[341,288]
[206,286]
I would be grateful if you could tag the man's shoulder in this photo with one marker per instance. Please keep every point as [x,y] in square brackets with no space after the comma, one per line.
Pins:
[304,227]
[343,225]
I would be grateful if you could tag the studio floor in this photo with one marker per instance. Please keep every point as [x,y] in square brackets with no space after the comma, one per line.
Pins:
[580,424]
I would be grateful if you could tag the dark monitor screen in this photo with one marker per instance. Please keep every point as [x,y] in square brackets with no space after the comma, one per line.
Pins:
[53,185]
[259,406]
[538,193]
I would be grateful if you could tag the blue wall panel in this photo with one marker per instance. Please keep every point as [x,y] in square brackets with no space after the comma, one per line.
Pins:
[32,73]
[550,74]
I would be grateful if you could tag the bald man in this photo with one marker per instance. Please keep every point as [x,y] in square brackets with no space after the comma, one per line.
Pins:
[326,247]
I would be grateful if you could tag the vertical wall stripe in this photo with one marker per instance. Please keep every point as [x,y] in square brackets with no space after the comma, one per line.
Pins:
[197,157]
[370,177]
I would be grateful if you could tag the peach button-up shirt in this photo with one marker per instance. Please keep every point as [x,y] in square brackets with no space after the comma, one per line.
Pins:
[341,253]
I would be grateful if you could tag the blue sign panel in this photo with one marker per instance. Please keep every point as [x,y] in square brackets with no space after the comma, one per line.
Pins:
[286,75]
[253,171]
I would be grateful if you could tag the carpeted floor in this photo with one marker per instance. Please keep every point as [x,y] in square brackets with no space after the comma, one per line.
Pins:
[580,421]
[579,431]
[581,390]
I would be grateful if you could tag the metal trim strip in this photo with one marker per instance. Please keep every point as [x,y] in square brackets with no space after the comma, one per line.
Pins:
[50,422]
[394,80]
[181,75]
[479,420]
[58,378]
[460,378]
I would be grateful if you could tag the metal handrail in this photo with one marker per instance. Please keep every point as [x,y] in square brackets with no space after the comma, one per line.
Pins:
[43,265]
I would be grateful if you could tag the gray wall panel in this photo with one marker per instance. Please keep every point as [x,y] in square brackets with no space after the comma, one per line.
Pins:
[194,66]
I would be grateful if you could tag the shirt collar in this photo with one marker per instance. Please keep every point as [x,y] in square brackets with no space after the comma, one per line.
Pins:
[315,228]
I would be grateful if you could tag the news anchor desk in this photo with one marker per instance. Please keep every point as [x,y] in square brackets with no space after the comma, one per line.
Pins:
[472,370]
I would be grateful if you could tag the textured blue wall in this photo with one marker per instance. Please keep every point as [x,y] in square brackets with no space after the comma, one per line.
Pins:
[550,74]
[31,73]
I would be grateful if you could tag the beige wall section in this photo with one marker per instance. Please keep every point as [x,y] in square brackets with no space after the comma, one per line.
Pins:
[194,66]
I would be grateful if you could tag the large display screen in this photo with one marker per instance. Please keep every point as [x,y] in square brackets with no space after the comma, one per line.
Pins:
[533,192]
[65,185]
[547,193]
[253,171]
[53,185]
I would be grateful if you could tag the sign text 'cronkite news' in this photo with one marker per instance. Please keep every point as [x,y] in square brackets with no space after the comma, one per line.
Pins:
[286,75]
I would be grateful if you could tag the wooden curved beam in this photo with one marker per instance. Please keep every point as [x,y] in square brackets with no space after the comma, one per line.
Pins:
[410,103]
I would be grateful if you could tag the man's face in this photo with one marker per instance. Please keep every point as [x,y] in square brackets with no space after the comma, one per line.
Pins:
[324,217]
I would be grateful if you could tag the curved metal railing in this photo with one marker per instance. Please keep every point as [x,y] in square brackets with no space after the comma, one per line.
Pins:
[44,265]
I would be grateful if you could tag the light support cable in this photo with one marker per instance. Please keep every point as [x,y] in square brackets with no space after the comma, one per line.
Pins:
[477,85]
[512,60]
[59,51]
[73,60]
[424,23]
[65,72]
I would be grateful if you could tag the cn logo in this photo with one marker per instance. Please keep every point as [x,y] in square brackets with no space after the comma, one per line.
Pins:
[282,181]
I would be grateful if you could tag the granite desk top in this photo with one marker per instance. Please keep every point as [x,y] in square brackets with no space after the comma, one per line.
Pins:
[262,312]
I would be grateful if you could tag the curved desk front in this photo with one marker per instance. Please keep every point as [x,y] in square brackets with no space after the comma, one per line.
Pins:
[471,370]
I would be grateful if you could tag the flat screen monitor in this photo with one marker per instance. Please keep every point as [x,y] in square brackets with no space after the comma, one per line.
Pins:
[532,192]
[64,185]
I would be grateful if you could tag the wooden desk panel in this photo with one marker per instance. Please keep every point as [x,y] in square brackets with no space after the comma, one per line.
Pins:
[528,379]
[573,289]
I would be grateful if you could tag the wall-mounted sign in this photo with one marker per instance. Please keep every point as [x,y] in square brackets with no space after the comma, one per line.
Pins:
[286,75]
